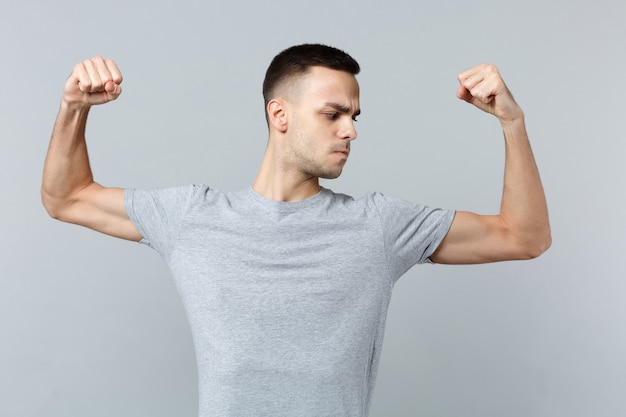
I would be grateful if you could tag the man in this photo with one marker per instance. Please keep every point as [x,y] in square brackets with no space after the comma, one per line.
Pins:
[286,284]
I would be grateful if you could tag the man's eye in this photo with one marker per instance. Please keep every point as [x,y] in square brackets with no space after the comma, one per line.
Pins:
[332,116]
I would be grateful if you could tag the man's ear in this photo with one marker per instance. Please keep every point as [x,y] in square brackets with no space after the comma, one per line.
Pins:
[277,114]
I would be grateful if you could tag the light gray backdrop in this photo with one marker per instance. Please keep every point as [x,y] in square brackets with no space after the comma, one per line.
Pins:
[92,326]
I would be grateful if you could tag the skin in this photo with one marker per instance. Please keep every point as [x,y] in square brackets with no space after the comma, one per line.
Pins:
[521,230]
[68,191]
[311,127]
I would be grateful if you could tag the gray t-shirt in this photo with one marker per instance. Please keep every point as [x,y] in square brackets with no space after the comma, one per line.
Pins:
[286,301]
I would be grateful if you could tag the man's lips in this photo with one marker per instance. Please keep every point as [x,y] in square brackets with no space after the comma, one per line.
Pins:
[344,152]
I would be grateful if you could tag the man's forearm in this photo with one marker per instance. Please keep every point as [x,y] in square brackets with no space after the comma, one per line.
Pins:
[524,206]
[67,169]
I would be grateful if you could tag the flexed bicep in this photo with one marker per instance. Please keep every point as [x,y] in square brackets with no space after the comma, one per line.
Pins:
[101,209]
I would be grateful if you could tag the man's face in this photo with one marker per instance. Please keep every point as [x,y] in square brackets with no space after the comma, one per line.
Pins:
[321,122]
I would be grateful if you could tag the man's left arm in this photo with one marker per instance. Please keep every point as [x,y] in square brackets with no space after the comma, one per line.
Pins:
[522,229]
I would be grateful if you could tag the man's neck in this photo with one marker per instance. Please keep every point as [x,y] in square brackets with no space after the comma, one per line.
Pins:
[279,183]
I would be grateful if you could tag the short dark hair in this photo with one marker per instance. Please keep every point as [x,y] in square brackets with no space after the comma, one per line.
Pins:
[296,60]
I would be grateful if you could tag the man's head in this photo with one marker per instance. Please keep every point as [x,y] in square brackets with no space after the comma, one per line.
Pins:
[312,101]
[296,61]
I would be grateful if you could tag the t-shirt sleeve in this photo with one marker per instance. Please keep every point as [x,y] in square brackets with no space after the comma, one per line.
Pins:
[158,214]
[411,232]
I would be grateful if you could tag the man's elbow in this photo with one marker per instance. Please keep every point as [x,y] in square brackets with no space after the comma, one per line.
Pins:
[537,246]
[53,211]
[55,208]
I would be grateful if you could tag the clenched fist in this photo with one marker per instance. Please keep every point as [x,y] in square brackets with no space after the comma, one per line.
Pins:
[94,81]
[484,87]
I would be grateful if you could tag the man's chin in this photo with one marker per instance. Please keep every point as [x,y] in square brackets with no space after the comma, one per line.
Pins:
[331,175]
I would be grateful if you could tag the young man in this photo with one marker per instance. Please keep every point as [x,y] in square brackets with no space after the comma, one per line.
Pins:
[287,284]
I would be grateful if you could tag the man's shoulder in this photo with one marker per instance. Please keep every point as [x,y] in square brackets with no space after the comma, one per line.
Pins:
[366,202]
[368,198]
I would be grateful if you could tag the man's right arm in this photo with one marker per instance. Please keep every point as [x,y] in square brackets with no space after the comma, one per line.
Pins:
[69,192]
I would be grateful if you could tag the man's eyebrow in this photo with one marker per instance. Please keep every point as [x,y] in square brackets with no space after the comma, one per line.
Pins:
[344,109]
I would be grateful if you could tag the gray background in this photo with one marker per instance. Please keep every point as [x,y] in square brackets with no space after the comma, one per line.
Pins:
[92,326]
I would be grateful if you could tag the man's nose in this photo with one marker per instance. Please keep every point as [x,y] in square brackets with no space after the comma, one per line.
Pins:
[348,131]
